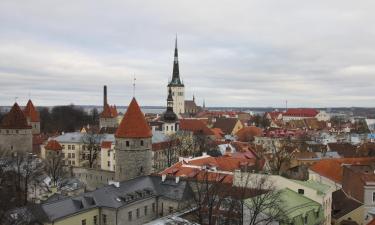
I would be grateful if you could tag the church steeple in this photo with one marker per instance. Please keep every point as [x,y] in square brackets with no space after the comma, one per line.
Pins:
[176,81]
[169,115]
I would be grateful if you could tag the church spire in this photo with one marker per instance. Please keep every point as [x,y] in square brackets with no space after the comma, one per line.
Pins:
[176,81]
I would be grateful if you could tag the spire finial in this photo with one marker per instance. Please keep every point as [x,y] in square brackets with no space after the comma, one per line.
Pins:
[175,44]
[134,85]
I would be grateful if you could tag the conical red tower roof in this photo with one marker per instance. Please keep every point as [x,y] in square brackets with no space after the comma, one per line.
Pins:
[31,112]
[15,119]
[109,112]
[134,124]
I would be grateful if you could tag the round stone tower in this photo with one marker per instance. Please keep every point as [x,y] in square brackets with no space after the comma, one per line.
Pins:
[133,145]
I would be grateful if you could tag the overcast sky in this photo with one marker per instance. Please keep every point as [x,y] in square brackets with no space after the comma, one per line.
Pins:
[232,53]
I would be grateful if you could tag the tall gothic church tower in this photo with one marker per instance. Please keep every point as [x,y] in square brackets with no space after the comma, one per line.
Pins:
[133,145]
[177,87]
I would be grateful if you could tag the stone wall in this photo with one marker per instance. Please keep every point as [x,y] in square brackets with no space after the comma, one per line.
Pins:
[93,178]
[133,158]
[16,140]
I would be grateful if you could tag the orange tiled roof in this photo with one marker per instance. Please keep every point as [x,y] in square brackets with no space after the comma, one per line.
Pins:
[53,145]
[15,119]
[109,112]
[30,112]
[332,168]
[372,222]
[134,124]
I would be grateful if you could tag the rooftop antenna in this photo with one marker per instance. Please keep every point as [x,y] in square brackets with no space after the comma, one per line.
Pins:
[29,95]
[134,86]
[286,105]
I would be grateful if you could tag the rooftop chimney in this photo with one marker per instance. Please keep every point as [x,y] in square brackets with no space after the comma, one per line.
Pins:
[105,95]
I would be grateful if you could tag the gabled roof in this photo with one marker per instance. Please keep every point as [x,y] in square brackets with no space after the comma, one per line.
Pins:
[109,112]
[15,119]
[133,124]
[333,168]
[342,204]
[196,126]
[30,112]
[53,145]
[226,124]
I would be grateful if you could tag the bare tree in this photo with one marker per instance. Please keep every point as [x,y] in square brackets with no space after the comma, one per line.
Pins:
[91,149]
[253,201]
[278,155]
[54,167]
[264,206]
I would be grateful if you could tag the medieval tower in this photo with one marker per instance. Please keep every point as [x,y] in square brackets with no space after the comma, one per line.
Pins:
[177,87]
[32,116]
[15,132]
[133,145]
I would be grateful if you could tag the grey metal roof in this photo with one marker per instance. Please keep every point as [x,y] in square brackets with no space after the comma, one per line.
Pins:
[76,137]
[114,197]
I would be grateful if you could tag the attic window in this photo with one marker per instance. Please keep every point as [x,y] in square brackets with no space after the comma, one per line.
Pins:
[301,191]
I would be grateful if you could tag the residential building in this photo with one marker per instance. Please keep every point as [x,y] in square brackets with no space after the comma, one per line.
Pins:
[316,191]
[299,114]
[330,171]
[359,183]
[229,126]
[298,209]
[346,208]
[132,202]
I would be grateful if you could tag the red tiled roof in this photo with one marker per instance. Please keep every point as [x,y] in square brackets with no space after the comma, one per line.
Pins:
[372,222]
[301,112]
[109,112]
[332,168]
[106,144]
[53,145]
[15,119]
[246,132]
[218,133]
[134,124]
[195,126]
[223,163]
[30,112]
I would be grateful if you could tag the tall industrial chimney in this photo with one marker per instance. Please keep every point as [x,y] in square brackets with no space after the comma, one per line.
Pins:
[105,95]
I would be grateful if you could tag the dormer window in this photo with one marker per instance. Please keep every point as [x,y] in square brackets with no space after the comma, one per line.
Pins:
[301,191]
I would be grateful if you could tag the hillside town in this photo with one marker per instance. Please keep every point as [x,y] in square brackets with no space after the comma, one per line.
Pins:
[188,165]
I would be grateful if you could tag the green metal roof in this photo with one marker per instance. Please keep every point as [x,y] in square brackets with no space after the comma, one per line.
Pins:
[319,187]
